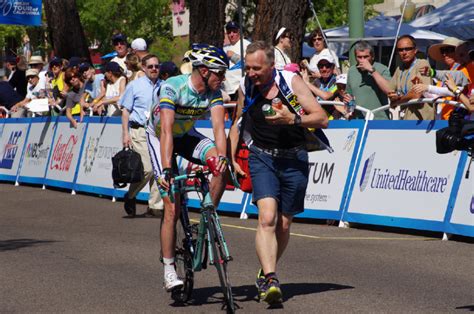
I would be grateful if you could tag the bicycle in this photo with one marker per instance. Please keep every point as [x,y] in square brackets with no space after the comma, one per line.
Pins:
[198,244]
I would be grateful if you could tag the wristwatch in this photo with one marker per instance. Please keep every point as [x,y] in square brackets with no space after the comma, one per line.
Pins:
[297,120]
[373,70]
[457,92]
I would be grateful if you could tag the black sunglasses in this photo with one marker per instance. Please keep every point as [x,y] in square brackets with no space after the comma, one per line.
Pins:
[446,50]
[405,49]
[151,66]
[325,65]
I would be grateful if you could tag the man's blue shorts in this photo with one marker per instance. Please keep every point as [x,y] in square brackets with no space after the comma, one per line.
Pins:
[283,178]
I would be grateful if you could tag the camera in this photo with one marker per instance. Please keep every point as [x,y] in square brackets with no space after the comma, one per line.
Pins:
[459,135]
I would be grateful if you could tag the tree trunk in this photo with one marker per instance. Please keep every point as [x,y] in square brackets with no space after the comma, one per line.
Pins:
[65,29]
[206,22]
[273,14]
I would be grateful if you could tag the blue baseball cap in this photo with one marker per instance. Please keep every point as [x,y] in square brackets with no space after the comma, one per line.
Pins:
[168,67]
[119,38]
[232,25]
[74,62]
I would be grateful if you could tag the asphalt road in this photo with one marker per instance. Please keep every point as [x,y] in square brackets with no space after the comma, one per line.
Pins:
[64,253]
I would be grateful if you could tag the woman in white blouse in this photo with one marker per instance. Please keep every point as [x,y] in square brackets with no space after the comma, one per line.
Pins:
[317,41]
[282,43]
[114,88]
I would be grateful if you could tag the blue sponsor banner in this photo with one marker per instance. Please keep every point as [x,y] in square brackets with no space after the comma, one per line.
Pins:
[20,12]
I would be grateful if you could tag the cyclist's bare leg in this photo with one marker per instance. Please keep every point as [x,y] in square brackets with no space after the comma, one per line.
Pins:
[266,240]
[168,227]
[217,184]
[283,232]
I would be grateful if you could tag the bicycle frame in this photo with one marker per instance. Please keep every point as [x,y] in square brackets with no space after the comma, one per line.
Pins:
[207,212]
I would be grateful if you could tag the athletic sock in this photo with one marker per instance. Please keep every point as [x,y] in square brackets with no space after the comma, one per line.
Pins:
[270,275]
[169,265]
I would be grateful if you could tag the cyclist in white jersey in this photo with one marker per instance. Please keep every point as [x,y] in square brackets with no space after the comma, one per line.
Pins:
[182,100]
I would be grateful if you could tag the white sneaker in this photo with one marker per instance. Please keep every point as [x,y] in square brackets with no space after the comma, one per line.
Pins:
[172,281]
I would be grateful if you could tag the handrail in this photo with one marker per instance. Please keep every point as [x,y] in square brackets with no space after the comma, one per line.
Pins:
[368,113]
[423,101]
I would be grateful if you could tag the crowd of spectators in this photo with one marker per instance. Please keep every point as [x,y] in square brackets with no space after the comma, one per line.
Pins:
[73,87]
[446,75]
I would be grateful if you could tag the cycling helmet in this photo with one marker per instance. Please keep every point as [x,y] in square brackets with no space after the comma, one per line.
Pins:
[208,56]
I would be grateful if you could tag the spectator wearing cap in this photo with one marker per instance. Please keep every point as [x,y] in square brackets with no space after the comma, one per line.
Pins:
[34,92]
[114,88]
[92,84]
[58,86]
[139,47]
[318,42]
[367,81]
[234,74]
[137,100]
[133,65]
[36,62]
[409,73]
[168,69]
[17,77]
[325,87]
[121,48]
[8,97]
[74,106]
[282,43]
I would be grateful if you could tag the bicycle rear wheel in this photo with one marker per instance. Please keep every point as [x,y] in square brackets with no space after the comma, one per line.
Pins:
[220,263]
[184,265]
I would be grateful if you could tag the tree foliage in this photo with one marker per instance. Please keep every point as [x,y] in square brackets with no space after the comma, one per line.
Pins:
[139,18]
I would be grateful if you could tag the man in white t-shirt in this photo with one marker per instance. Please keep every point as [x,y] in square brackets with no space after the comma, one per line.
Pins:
[234,74]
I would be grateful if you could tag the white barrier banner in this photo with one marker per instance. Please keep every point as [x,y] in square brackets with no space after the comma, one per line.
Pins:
[65,152]
[37,150]
[463,211]
[400,175]
[328,171]
[103,141]
[12,140]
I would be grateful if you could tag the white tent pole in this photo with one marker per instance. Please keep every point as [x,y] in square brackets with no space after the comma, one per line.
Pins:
[398,32]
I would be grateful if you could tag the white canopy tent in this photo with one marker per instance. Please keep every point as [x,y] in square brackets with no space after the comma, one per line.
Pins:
[455,19]
[382,30]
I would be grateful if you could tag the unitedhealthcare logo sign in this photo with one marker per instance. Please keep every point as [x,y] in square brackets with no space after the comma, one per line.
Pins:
[399,179]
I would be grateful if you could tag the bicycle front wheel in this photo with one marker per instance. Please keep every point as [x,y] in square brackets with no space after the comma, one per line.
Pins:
[184,265]
[220,262]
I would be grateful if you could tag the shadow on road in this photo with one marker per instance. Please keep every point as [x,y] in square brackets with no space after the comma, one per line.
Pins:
[210,295]
[16,244]
[470,308]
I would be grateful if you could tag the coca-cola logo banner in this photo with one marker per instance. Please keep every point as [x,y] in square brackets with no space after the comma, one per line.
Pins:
[65,152]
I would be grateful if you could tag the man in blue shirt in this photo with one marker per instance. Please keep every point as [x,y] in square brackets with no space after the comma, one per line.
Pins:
[137,101]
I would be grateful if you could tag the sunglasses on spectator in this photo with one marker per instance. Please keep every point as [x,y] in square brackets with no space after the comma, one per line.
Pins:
[219,73]
[233,30]
[446,50]
[151,66]
[317,39]
[324,65]
[122,43]
[30,77]
[405,49]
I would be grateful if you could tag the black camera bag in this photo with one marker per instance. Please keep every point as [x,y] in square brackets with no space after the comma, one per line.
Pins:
[127,167]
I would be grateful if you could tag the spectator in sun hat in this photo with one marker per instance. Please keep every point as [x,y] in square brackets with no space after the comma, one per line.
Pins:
[445,53]
[121,48]
[34,92]
[36,62]
[234,74]
[167,70]
[282,42]
[139,47]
